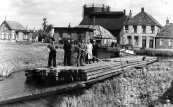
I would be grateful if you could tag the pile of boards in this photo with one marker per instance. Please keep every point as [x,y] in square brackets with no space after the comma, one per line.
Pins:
[68,74]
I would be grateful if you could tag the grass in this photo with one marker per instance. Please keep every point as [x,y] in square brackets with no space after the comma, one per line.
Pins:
[134,88]
[154,52]
[22,56]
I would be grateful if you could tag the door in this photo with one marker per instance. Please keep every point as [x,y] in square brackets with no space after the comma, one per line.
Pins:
[151,43]
[144,42]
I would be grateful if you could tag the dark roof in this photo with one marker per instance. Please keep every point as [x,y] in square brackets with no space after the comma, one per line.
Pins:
[167,31]
[71,29]
[15,26]
[108,20]
[143,18]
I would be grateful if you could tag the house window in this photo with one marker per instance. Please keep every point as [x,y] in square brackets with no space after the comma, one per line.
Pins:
[98,41]
[2,36]
[5,28]
[129,39]
[126,28]
[161,42]
[136,40]
[170,42]
[144,29]
[69,35]
[135,28]
[25,37]
[152,29]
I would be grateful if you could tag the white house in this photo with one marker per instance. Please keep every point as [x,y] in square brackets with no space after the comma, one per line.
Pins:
[140,31]
[13,31]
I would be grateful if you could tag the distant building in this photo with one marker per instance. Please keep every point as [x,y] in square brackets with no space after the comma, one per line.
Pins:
[61,33]
[141,30]
[164,39]
[101,15]
[13,31]
[100,34]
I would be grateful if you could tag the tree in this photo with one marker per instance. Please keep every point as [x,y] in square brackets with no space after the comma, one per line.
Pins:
[45,32]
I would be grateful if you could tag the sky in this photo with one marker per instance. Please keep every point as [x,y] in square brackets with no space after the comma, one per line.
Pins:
[60,13]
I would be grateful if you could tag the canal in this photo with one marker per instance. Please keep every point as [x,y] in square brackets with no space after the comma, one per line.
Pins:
[16,83]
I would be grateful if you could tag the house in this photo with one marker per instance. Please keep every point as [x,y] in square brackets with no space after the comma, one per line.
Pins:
[101,15]
[61,33]
[13,31]
[164,39]
[140,30]
[100,35]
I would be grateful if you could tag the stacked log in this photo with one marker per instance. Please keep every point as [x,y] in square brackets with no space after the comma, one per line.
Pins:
[71,74]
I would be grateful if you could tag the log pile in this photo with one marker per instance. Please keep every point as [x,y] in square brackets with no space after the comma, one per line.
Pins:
[74,74]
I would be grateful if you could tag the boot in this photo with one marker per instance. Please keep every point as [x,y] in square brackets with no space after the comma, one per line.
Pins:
[89,61]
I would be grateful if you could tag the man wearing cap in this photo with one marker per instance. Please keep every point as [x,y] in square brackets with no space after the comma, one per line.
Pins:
[52,52]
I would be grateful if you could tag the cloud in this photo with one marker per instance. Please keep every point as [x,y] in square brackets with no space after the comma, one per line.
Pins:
[62,12]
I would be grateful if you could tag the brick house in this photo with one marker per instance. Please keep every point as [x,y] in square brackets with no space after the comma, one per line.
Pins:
[13,31]
[164,39]
[140,30]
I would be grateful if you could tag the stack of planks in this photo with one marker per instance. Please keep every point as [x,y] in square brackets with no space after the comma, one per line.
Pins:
[68,74]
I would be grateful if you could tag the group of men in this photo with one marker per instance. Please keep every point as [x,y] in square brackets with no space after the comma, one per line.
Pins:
[85,52]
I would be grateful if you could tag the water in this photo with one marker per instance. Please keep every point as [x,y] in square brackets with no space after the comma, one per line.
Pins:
[15,84]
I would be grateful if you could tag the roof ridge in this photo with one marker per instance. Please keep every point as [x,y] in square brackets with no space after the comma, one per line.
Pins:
[152,18]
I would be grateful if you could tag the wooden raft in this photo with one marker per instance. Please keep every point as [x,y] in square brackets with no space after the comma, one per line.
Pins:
[68,74]
[78,76]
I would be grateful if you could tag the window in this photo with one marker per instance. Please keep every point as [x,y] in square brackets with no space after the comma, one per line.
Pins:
[135,28]
[161,41]
[5,28]
[98,41]
[126,28]
[136,40]
[25,37]
[2,36]
[144,29]
[69,35]
[170,42]
[129,39]
[152,29]
[60,35]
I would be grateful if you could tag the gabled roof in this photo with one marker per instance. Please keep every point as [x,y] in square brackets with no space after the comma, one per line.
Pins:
[167,31]
[15,25]
[99,31]
[108,20]
[143,18]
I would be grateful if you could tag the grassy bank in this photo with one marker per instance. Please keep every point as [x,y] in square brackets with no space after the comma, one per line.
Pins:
[21,56]
[135,88]
[155,52]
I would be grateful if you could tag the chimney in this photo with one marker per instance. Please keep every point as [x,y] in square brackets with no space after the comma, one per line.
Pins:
[142,9]
[167,21]
[130,15]
[69,25]
[124,12]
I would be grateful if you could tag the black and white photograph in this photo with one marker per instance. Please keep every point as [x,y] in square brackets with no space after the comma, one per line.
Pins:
[86,53]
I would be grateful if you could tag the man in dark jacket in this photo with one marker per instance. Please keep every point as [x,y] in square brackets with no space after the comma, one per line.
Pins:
[94,51]
[67,53]
[52,53]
